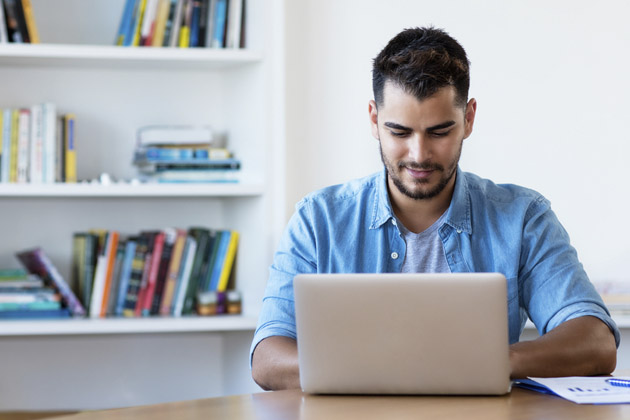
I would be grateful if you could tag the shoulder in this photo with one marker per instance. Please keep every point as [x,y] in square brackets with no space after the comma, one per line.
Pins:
[503,195]
[340,194]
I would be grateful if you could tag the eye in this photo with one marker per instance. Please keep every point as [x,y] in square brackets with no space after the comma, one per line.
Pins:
[399,133]
[441,133]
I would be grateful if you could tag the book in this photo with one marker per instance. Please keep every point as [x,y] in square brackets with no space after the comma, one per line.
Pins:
[77,275]
[137,25]
[29,17]
[192,176]
[157,241]
[177,24]
[125,275]
[10,274]
[110,256]
[1,141]
[70,158]
[4,36]
[13,165]
[170,235]
[154,135]
[126,22]
[219,260]
[195,23]
[24,139]
[115,283]
[169,23]
[21,20]
[200,261]
[184,275]
[213,250]
[135,278]
[60,150]
[13,29]
[148,22]
[91,256]
[184,31]
[228,262]
[98,284]
[219,24]
[160,23]
[37,262]
[50,142]
[36,161]
[39,314]
[234,19]
[172,273]
[5,165]
[203,23]
[210,22]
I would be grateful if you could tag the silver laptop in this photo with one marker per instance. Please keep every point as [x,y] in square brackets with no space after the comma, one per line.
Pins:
[402,333]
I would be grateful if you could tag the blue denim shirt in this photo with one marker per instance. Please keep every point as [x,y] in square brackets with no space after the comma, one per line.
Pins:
[350,228]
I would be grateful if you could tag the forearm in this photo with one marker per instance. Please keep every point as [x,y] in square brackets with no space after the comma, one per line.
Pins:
[275,364]
[579,347]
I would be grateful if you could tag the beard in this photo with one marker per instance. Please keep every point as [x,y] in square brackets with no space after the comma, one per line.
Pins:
[394,171]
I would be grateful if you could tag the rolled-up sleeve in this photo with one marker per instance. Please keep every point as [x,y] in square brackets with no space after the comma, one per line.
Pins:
[295,255]
[554,286]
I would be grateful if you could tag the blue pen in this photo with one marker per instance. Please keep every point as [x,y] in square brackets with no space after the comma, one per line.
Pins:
[619,382]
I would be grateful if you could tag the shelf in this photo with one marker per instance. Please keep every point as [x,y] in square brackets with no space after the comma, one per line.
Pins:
[131,190]
[105,56]
[220,323]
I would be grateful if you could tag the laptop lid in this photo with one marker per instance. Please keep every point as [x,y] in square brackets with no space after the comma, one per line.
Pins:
[402,333]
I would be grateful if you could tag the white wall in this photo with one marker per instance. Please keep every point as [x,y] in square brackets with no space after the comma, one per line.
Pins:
[551,79]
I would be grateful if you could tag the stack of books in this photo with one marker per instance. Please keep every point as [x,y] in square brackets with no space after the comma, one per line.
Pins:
[160,272]
[17,23]
[182,154]
[24,295]
[182,23]
[37,145]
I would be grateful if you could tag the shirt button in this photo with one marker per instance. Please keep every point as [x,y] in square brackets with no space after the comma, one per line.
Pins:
[459,231]
[394,222]
[395,255]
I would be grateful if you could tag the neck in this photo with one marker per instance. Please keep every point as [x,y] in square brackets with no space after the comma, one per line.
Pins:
[418,215]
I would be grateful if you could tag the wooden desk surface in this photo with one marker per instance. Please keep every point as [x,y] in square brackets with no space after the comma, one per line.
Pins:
[288,405]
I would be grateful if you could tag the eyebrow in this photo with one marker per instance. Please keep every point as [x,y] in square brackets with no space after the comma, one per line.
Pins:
[436,127]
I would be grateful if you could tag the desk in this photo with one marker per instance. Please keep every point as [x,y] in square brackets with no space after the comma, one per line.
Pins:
[289,405]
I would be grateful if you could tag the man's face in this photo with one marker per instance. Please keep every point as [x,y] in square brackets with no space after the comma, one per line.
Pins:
[421,141]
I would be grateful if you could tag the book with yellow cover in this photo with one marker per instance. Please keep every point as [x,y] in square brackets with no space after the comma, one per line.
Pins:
[30,21]
[228,263]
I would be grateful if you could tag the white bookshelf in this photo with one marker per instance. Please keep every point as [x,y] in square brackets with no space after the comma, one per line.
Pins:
[103,363]
[87,190]
[210,324]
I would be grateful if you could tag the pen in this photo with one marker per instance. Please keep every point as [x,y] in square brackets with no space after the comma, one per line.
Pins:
[619,382]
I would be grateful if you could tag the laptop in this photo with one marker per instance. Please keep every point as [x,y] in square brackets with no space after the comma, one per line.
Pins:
[402,333]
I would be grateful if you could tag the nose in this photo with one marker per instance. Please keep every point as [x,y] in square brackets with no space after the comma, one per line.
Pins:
[419,148]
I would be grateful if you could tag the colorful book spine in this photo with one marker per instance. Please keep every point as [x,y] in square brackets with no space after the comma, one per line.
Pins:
[29,17]
[50,141]
[135,279]
[37,262]
[173,273]
[13,169]
[202,236]
[183,281]
[36,162]
[217,265]
[220,17]
[156,257]
[137,27]
[170,235]
[228,262]
[126,21]
[110,256]
[6,145]
[70,157]
[125,276]
[4,35]
[160,23]
[177,24]
[24,139]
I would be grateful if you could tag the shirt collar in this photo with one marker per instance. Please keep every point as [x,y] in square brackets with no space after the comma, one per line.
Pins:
[458,213]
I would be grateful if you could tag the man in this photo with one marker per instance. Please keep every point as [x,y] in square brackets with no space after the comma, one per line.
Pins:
[423,214]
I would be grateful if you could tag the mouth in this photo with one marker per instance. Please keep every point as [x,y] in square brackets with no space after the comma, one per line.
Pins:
[420,174]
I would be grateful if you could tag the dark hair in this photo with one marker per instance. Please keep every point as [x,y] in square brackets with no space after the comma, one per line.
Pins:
[421,61]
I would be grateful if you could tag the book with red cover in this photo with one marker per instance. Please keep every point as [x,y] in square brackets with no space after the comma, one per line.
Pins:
[144,303]
[37,262]
[169,240]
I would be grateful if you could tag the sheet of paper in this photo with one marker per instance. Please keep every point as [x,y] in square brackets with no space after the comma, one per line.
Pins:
[587,389]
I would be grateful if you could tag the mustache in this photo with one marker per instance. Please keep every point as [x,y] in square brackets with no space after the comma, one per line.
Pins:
[422,166]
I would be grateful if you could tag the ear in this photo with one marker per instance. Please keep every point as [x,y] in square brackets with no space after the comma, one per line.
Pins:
[469,118]
[373,119]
